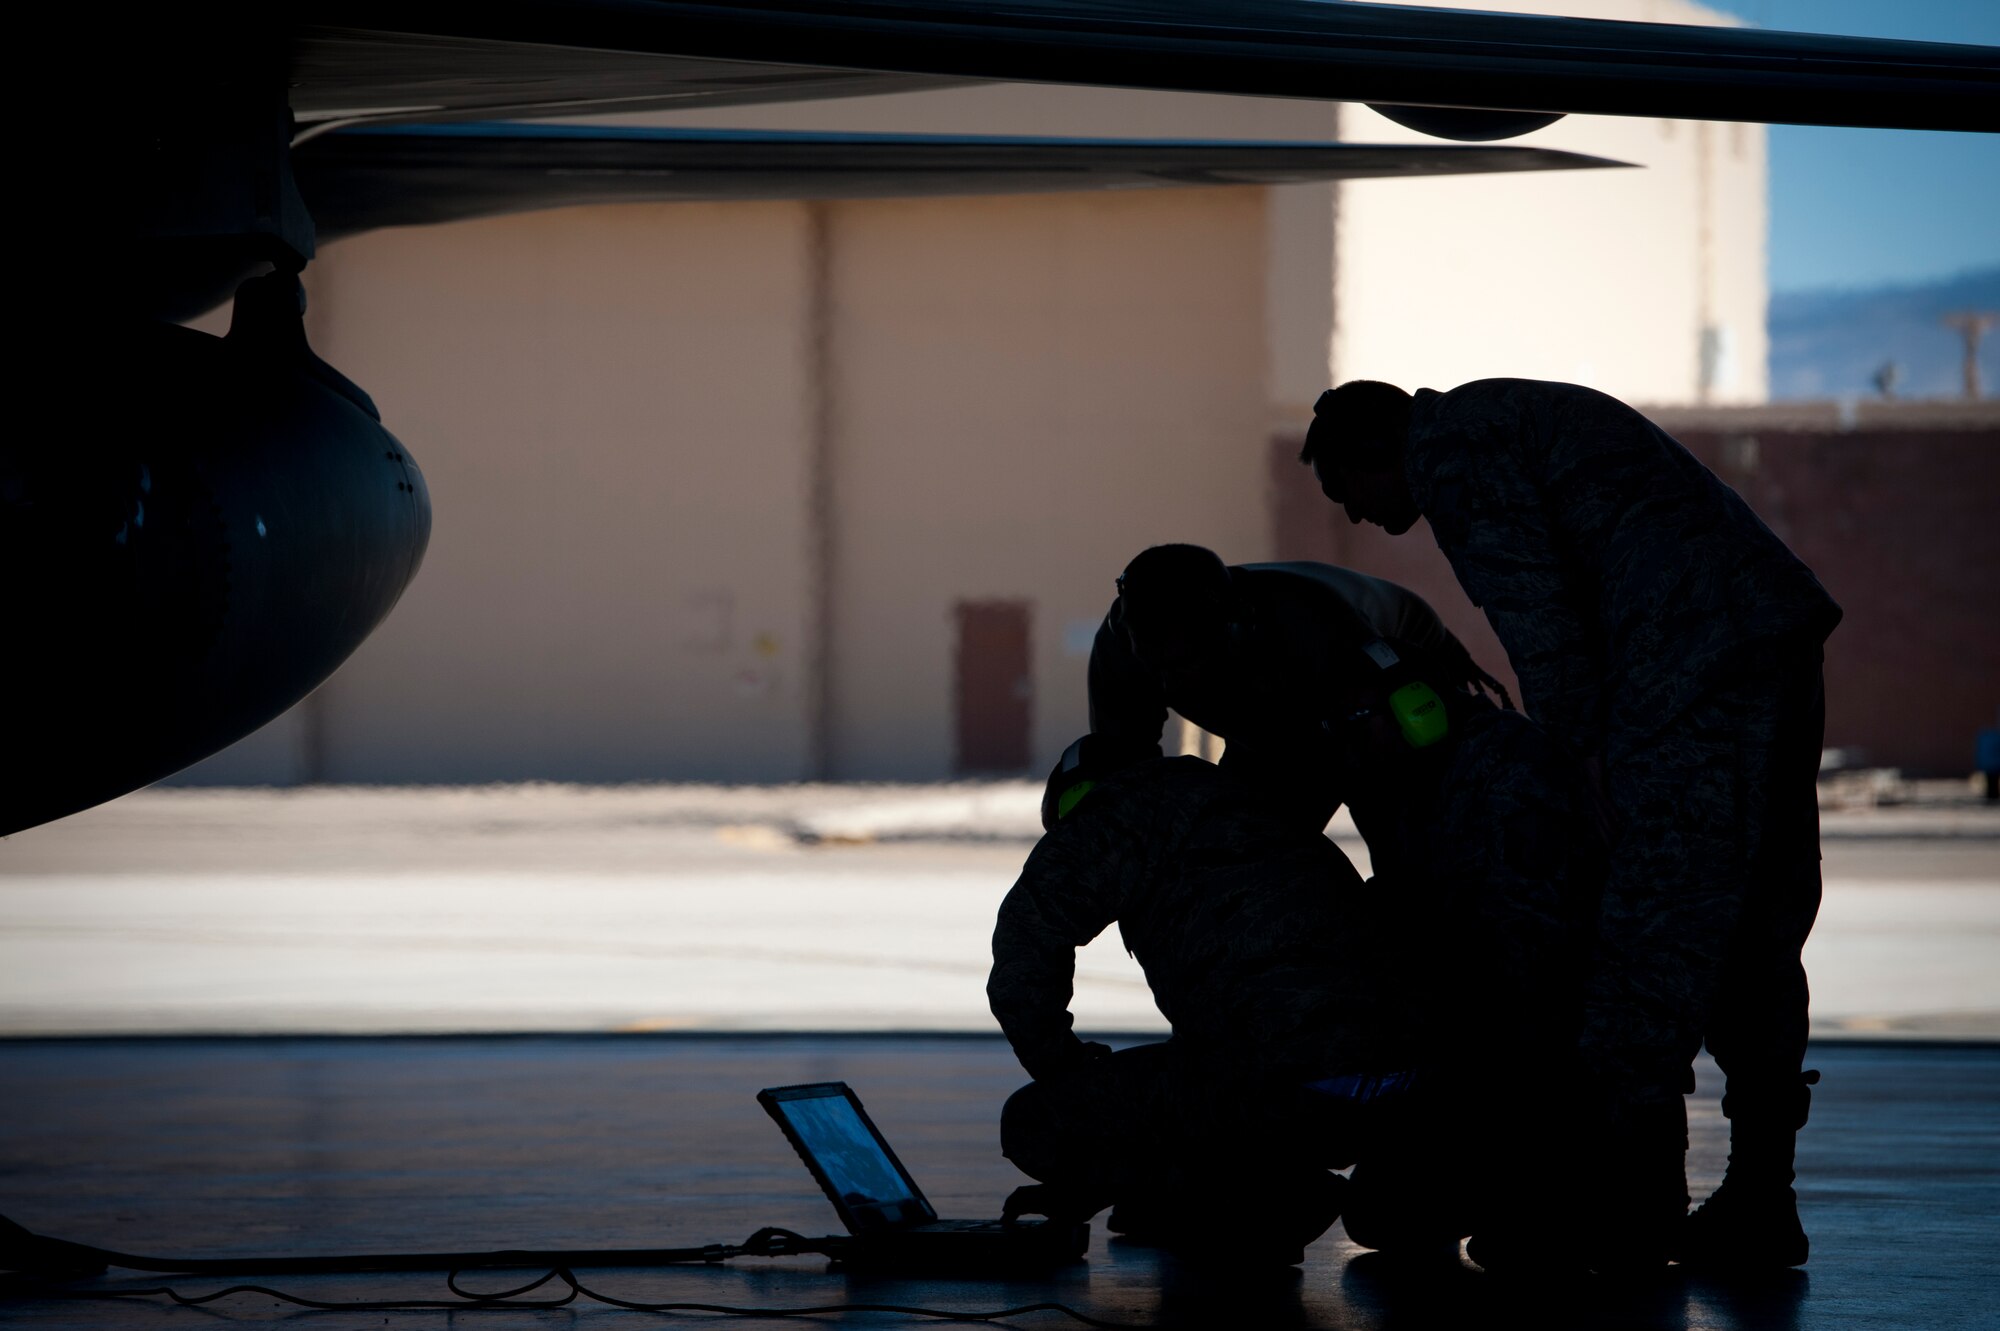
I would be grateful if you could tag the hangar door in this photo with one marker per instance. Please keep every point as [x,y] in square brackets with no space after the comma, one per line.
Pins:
[993,686]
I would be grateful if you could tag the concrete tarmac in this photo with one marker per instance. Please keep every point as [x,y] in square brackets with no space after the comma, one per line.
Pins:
[551,908]
[243,1147]
[690,918]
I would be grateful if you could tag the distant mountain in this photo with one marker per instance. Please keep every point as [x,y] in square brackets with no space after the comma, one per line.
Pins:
[1828,344]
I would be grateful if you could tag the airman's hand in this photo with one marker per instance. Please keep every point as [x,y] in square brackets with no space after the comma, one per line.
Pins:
[1058,1203]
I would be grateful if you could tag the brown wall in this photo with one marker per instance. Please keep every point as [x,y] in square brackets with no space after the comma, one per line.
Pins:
[1902,525]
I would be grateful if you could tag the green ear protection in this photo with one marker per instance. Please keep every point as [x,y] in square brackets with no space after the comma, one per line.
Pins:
[1083,765]
[1420,714]
[1072,797]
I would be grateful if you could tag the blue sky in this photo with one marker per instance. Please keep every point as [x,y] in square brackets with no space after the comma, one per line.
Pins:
[1857,207]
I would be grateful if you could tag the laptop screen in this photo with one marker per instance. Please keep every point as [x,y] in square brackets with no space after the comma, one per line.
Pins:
[852,1163]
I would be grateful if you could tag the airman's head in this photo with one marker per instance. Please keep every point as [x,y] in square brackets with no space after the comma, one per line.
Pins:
[1180,615]
[1355,447]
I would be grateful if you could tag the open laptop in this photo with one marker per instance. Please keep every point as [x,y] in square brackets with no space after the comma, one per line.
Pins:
[881,1204]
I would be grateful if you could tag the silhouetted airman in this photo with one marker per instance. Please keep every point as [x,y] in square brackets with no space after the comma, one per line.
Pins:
[1661,630]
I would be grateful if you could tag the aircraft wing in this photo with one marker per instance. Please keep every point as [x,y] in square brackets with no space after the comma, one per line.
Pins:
[445,59]
[400,175]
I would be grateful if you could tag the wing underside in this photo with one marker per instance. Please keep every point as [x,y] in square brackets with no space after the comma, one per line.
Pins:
[401,175]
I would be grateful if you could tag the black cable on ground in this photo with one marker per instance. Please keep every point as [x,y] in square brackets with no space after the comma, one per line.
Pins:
[23,1250]
[35,1255]
[38,1263]
[512,1300]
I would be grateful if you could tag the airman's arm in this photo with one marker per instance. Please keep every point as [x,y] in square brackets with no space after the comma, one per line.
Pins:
[1073,886]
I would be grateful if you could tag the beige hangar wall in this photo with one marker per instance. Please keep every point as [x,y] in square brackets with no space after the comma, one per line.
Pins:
[609,407]
[1298,220]
[1028,392]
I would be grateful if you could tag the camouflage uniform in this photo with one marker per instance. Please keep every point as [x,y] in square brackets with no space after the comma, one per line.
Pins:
[1261,947]
[1656,623]
[1490,846]
[1248,929]
[1305,622]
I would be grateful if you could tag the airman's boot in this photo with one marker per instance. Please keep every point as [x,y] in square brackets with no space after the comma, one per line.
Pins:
[1638,1201]
[1751,1223]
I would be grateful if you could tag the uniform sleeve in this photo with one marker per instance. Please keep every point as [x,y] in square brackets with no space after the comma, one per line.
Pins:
[1485,504]
[1126,702]
[1073,886]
